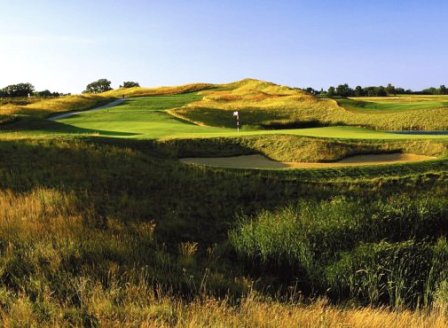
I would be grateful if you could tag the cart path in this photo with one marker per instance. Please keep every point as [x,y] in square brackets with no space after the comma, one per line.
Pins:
[73,113]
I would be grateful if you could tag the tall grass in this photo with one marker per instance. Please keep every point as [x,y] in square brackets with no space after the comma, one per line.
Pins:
[375,253]
[289,148]
[267,105]
[118,232]
[140,92]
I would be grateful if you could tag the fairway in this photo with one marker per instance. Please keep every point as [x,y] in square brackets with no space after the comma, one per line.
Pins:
[402,103]
[147,118]
[139,117]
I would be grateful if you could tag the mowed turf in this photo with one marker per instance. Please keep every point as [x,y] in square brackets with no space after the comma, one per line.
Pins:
[381,105]
[146,118]
[143,117]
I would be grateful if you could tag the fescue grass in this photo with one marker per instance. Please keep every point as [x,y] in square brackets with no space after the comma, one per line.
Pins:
[139,91]
[101,231]
[268,105]
[147,118]
[43,107]
[353,250]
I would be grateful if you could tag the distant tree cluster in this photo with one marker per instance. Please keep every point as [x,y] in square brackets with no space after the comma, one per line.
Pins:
[344,90]
[129,84]
[103,85]
[17,90]
[26,90]
[48,94]
[98,86]
[442,90]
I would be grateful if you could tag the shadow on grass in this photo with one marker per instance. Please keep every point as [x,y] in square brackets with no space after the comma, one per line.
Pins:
[42,125]
[112,179]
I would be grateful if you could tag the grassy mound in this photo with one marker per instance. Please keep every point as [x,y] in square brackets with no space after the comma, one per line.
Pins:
[115,231]
[139,91]
[44,107]
[90,227]
[291,148]
[266,105]
[149,118]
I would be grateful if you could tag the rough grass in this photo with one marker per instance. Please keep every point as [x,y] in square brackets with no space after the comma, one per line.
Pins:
[150,311]
[116,232]
[42,107]
[32,115]
[261,162]
[149,118]
[292,148]
[268,105]
[351,250]
[139,91]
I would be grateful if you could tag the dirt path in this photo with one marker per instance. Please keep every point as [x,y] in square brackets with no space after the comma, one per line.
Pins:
[261,162]
[69,114]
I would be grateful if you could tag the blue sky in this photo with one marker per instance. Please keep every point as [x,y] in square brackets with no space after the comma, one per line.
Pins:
[64,45]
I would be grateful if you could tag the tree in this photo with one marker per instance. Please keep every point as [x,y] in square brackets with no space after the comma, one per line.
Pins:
[45,93]
[359,91]
[129,84]
[390,89]
[331,92]
[344,90]
[18,90]
[381,91]
[443,90]
[430,91]
[99,86]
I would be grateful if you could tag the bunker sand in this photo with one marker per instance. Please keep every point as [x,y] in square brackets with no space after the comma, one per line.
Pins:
[262,162]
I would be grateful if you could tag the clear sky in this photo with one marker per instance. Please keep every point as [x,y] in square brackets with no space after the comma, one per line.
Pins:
[63,45]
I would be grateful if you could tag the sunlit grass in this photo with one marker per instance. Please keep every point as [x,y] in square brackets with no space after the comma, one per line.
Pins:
[139,91]
[106,232]
[266,104]
[382,105]
[146,118]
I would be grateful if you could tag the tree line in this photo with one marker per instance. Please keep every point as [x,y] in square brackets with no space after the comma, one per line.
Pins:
[22,90]
[26,90]
[344,90]
[103,85]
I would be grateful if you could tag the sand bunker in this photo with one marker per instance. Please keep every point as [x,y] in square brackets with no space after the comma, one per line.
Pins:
[261,162]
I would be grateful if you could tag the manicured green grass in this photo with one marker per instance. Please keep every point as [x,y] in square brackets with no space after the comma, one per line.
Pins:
[337,132]
[139,117]
[383,105]
[146,118]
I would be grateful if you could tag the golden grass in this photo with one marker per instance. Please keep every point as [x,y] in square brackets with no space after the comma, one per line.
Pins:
[44,107]
[262,162]
[404,98]
[259,95]
[139,91]
[256,313]
[267,103]
[46,233]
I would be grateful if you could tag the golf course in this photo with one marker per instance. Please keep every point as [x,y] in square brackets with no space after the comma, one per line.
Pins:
[151,200]
[223,164]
